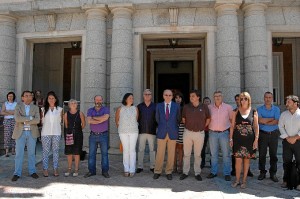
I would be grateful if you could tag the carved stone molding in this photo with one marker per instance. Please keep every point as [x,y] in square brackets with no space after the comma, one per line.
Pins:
[173,16]
[51,22]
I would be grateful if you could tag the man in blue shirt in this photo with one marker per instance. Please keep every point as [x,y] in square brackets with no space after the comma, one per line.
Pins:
[268,117]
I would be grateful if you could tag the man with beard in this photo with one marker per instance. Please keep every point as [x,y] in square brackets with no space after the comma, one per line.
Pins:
[97,117]
[289,127]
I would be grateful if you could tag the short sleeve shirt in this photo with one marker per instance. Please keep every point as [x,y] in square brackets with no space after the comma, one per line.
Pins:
[195,117]
[263,112]
[102,127]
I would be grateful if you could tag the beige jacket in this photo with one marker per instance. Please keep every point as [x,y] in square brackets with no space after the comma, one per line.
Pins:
[20,117]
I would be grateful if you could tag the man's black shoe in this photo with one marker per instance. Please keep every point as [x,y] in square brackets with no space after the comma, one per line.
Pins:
[261,176]
[88,174]
[211,175]
[169,176]
[250,174]
[274,178]
[152,170]
[183,176]
[228,178]
[106,175]
[34,175]
[156,176]
[15,178]
[198,177]
[139,170]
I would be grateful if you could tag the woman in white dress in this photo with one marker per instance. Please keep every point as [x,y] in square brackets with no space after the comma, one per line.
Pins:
[126,121]
[51,131]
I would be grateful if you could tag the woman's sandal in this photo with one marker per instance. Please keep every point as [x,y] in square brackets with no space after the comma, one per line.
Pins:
[56,173]
[45,173]
[243,185]
[68,173]
[75,174]
[235,184]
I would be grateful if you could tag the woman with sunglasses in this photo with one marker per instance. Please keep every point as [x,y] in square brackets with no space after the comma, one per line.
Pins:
[243,137]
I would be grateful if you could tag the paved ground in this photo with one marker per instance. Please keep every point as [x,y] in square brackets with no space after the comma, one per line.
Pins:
[140,186]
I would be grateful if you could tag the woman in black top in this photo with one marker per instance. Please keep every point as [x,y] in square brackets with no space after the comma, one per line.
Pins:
[243,137]
[74,123]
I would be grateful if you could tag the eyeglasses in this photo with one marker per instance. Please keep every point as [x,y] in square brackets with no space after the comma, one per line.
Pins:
[217,95]
[147,94]
[244,99]
[168,95]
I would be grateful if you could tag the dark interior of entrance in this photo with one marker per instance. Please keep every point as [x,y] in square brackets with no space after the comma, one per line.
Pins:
[174,75]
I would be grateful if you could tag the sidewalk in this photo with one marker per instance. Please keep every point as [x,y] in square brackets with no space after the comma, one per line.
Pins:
[140,186]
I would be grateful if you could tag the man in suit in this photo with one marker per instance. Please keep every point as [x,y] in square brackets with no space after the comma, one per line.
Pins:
[168,118]
[27,117]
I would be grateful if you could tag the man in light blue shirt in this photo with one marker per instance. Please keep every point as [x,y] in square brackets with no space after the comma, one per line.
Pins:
[268,117]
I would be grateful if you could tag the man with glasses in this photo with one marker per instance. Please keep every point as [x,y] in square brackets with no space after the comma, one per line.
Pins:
[168,118]
[147,130]
[289,127]
[221,115]
[26,132]
[268,117]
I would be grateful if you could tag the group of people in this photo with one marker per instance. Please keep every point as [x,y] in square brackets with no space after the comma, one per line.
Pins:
[176,127]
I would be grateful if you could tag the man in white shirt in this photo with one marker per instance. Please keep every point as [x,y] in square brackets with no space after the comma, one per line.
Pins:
[289,126]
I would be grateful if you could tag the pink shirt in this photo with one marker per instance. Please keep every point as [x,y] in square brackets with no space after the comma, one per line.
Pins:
[220,117]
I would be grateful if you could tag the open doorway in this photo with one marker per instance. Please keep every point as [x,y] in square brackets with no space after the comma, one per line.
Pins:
[57,67]
[174,75]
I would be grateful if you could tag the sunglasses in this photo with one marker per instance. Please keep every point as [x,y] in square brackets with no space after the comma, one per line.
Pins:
[244,99]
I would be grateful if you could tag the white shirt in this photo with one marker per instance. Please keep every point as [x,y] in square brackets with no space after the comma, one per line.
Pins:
[51,122]
[10,107]
[127,120]
[289,124]
[169,106]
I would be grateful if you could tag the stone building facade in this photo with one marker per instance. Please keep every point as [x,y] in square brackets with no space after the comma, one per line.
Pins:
[231,45]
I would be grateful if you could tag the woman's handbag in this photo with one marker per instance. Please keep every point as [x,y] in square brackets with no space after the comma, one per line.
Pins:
[70,135]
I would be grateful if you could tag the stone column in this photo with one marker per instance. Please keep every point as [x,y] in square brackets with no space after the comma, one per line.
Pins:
[95,54]
[121,77]
[7,55]
[228,55]
[256,51]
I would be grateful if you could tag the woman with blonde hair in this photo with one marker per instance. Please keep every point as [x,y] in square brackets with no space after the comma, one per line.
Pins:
[244,132]
[74,122]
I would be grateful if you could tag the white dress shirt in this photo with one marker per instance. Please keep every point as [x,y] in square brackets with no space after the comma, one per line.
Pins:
[289,124]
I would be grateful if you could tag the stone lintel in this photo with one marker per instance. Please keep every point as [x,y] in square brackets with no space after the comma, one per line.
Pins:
[254,9]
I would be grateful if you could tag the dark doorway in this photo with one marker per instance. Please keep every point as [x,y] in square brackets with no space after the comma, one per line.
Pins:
[175,82]
[67,74]
[174,75]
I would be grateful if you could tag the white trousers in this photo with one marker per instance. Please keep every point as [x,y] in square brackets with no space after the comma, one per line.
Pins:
[129,154]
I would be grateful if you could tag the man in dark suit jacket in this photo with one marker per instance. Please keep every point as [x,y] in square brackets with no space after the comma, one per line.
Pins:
[168,118]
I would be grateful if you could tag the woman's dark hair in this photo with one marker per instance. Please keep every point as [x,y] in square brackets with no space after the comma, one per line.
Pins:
[125,98]
[207,98]
[179,94]
[46,105]
[14,95]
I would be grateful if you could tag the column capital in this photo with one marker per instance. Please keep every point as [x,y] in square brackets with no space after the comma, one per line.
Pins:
[227,7]
[121,10]
[254,9]
[98,11]
[7,17]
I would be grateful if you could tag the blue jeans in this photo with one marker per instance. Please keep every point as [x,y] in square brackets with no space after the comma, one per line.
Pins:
[94,140]
[26,138]
[222,139]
